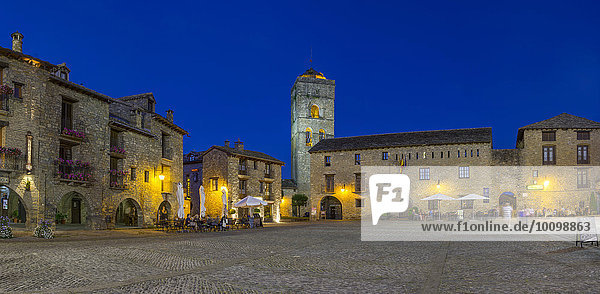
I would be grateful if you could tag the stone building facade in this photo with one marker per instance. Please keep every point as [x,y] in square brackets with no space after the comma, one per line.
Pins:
[71,150]
[553,167]
[241,173]
[192,179]
[337,184]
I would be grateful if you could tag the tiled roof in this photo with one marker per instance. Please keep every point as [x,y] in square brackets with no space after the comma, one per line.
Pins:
[439,137]
[288,183]
[564,121]
[247,153]
[561,121]
[137,96]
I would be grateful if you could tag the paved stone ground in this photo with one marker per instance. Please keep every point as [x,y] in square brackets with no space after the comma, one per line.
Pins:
[321,257]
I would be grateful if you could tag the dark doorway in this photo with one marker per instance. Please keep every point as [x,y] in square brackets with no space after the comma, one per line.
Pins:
[507,197]
[164,210]
[75,211]
[332,207]
[127,213]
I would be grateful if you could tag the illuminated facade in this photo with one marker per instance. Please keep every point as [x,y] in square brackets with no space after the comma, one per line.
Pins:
[241,173]
[312,110]
[554,167]
[77,156]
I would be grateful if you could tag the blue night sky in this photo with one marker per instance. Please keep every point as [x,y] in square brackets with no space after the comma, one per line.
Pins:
[226,67]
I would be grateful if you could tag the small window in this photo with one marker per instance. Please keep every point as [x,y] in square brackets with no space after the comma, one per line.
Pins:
[327,160]
[357,182]
[321,134]
[195,177]
[477,152]
[329,183]
[357,159]
[133,175]
[424,174]
[465,153]
[582,178]
[548,155]
[458,153]
[432,155]
[535,173]
[582,154]
[359,202]
[243,187]
[214,184]
[417,155]
[463,172]
[308,137]
[471,152]
[486,193]
[549,136]
[18,90]
[146,176]
[385,156]
[583,135]
[314,111]
[442,154]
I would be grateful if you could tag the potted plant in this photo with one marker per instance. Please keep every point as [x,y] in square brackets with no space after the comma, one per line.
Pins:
[15,216]
[60,218]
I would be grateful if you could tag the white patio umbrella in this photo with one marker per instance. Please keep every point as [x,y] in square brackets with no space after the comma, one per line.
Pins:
[472,197]
[224,199]
[181,210]
[439,197]
[202,199]
[250,201]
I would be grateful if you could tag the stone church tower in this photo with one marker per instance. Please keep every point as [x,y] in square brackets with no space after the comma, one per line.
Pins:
[313,99]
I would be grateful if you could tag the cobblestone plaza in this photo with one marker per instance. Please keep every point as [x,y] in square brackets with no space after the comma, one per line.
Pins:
[321,257]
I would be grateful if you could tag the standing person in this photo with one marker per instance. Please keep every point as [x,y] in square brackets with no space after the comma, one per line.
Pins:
[507,211]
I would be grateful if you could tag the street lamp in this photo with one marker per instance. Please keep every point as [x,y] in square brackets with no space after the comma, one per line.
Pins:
[438,185]
[161,177]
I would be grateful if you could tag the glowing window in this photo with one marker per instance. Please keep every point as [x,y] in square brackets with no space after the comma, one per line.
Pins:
[308,137]
[321,134]
[314,111]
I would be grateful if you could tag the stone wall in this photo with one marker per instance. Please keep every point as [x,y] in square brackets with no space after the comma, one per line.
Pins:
[344,169]
[566,146]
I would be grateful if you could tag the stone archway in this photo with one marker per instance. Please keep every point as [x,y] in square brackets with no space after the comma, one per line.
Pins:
[507,197]
[129,213]
[164,211]
[332,207]
[12,205]
[74,206]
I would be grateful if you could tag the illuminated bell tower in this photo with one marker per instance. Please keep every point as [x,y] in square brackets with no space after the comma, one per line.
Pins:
[313,99]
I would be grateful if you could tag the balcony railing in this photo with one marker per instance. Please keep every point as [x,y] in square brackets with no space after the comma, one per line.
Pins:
[268,175]
[167,153]
[117,179]
[74,170]
[4,102]
[11,161]
[117,151]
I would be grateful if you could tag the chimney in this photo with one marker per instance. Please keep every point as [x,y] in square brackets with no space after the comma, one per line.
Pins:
[17,42]
[226,143]
[170,115]
[239,145]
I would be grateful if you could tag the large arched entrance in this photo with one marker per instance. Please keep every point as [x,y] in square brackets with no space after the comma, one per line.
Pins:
[164,211]
[332,207]
[73,206]
[507,197]
[129,213]
[12,205]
